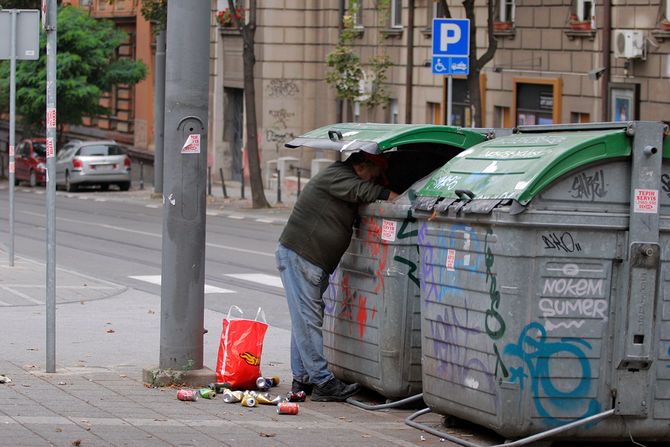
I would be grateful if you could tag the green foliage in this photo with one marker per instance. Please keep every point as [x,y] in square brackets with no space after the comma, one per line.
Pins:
[155,11]
[86,68]
[347,69]
[20,4]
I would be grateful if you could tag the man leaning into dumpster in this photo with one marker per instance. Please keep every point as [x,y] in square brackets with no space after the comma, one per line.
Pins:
[316,236]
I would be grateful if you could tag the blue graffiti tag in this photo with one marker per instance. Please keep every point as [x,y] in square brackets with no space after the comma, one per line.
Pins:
[330,295]
[668,365]
[536,352]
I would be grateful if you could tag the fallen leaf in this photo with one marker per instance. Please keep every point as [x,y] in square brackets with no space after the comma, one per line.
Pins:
[366,436]
[76,442]
[58,430]
[82,302]
[110,331]
[267,435]
[26,385]
[32,349]
[151,312]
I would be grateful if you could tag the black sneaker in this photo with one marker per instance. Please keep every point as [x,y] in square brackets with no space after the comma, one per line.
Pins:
[334,391]
[301,386]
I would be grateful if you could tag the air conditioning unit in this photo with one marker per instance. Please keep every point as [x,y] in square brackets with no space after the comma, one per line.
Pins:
[629,44]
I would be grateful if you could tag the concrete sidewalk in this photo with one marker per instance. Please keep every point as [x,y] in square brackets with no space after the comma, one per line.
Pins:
[105,335]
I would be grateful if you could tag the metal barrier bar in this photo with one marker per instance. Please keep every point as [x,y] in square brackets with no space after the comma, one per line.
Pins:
[223,184]
[523,441]
[397,403]
[278,186]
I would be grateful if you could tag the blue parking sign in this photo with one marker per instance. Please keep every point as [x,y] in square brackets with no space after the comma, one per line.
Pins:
[451,37]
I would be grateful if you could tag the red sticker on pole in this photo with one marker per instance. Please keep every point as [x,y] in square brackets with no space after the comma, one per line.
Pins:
[51,118]
[11,150]
[11,167]
[645,201]
[50,147]
[192,144]
[44,13]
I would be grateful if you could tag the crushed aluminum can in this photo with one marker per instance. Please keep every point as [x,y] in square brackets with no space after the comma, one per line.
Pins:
[265,383]
[232,397]
[266,399]
[249,400]
[207,393]
[187,395]
[218,387]
[287,408]
[300,396]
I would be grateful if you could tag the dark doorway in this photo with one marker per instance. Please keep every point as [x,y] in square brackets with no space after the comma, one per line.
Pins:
[233,127]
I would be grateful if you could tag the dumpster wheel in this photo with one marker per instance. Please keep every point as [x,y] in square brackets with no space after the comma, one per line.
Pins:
[523,441]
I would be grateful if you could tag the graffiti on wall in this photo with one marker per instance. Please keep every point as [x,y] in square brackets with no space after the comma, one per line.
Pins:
[282,87]
[278,133]
[541,364]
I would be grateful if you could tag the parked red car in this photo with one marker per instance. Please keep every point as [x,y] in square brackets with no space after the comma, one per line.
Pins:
[30,162]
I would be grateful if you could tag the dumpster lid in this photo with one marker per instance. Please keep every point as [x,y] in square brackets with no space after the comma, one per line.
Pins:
[376,138]
[520,166]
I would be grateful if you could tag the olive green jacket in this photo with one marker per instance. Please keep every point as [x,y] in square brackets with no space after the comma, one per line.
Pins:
[320,226]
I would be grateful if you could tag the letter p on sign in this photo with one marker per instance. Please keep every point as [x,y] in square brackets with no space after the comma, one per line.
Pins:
[450,33]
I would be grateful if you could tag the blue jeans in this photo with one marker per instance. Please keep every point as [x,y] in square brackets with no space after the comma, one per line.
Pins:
[304,284]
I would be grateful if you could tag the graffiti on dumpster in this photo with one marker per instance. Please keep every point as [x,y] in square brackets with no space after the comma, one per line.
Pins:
[377,250]
[589,187]
[572,299]
[404,234]
[467,259]
[494,323]
[539,356]
[561,242]
[665,181]
[452,333]
[352,298]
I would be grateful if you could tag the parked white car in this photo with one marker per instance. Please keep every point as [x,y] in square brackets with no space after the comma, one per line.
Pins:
[101,163]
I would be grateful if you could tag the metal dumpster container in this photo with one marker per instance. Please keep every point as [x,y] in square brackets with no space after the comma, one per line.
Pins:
[371,323]
[544,262]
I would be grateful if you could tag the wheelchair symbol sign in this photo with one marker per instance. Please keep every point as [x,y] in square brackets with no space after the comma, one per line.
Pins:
[444,65]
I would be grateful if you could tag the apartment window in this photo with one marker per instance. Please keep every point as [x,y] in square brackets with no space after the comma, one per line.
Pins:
[355,7]
[585,10]
[507,8]
[396,13]
[536,101]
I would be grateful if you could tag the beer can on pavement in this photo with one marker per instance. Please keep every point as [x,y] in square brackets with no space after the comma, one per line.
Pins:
[207,393]
[248,400]
[189,395]
[265,383]
[218,387]
[232,396]
[287,408]
[300,396]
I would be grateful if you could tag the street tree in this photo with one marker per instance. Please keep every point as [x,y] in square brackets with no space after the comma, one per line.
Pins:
[87,67]
[246,25]
[476,63]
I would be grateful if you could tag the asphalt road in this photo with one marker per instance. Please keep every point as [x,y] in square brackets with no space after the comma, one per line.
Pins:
[101,235]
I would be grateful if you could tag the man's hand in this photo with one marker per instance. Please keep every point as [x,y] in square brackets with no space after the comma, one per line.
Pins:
[392,196]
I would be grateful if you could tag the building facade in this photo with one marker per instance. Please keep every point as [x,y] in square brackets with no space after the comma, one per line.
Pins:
[557,61]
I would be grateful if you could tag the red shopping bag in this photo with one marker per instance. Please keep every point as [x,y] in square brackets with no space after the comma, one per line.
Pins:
[240,349]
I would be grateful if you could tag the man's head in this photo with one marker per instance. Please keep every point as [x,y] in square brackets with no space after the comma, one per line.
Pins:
[368,167]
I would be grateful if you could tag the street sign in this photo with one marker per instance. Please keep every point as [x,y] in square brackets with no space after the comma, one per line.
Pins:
[451,46]
[27,34]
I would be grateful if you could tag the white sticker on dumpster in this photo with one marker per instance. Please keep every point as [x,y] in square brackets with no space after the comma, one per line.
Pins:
[646,201]
[388,230]
[192,144]
[451,259]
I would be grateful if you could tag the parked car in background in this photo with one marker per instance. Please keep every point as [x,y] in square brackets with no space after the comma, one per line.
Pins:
[30,162]
[101,163]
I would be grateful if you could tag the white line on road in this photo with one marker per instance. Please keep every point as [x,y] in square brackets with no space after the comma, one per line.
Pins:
[156,279]
[268,280]
[235,216]
[264,220]
[152,205]
[158,235]
[22,295]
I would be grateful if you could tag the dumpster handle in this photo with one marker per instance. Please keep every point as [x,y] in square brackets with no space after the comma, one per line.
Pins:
[464,192]
[523,441]
[397,403]
[335,133]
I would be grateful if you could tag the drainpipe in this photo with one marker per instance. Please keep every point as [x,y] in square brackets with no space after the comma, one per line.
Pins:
[409,79]
[607,46]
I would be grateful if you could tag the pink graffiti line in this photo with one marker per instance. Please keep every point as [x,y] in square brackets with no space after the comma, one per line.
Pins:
[362,316]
